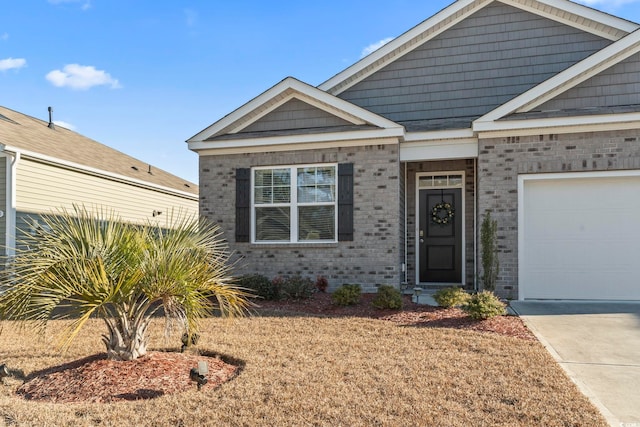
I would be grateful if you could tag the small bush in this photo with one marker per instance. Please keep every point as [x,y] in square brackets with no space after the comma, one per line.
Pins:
[322,283]
[346,295]
[388,297]
[260,286]
[484,305]
[451,297]
[297,287]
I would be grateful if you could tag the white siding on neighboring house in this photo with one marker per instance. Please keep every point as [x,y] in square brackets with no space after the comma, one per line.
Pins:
[44,188]
[3,203]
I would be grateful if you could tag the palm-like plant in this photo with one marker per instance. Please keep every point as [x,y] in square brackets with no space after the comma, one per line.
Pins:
[85,266]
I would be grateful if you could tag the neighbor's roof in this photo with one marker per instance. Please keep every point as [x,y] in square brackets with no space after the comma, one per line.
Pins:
[30,135]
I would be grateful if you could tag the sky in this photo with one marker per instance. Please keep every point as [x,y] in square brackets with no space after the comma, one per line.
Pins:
[144,76]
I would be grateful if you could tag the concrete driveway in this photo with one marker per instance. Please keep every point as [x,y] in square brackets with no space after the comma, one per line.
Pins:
[598,345]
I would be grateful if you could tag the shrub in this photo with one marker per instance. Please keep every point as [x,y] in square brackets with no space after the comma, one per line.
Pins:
[484,305]
[489,242]
[322,283]
[451,297]
[346,295]
[297,287]
[260,286]
[388,297]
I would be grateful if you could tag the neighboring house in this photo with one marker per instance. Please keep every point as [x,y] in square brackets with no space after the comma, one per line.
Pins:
[44,168]
[529,109]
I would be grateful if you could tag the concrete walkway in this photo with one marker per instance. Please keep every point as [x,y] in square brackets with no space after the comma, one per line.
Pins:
[598,345]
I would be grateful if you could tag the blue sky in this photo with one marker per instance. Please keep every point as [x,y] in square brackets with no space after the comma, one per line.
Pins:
[143,76]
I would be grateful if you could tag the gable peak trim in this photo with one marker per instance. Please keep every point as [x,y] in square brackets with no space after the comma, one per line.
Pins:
[279,94]
[285,97]
[402,45]
[564,11]
[579,16]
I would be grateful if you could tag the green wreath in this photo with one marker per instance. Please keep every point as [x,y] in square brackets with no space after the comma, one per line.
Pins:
[442,213]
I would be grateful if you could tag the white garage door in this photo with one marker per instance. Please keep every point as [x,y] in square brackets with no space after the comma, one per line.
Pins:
[580,237]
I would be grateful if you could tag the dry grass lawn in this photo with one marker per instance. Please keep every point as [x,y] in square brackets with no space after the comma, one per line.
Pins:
[310,371]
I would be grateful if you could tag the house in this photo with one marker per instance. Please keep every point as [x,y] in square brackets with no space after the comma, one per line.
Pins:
[44,168]
[528,109]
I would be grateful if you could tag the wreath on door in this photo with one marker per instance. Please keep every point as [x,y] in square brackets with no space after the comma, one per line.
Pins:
[442,213]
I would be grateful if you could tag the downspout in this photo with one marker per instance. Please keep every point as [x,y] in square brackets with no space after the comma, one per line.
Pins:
[475,223]
[406,245]
[10,202]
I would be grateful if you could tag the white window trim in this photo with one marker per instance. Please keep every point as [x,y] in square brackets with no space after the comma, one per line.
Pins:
[293,205]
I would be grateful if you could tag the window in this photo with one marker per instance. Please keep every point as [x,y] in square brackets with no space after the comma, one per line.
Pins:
[294,203]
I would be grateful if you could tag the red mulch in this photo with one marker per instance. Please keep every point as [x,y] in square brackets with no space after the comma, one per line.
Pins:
[95,379]
[410,314]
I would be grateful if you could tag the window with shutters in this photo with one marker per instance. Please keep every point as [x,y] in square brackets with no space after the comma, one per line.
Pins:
[294,204]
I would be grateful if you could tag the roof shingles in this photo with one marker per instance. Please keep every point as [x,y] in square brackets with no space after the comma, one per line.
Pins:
[33,135]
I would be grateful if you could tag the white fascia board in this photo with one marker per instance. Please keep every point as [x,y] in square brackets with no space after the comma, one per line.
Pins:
[577,16]
[567,79]
[309,94]
[296,140]
[215,151]
[439,135]
[25,154]
[398,44]
[593,123]
[440,145]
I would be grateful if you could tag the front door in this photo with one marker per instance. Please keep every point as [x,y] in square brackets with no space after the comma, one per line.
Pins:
[440,235]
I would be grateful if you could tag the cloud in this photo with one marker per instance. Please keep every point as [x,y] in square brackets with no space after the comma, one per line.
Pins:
[64,125]
[81,77]
[12,63]
[4,36]
[374,46]
[85,4]
[191,17]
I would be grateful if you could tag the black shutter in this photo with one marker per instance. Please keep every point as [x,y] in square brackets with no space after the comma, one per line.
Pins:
[345,202]
[243,205]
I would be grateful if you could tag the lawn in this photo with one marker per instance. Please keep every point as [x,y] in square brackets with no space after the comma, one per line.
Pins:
[323,371]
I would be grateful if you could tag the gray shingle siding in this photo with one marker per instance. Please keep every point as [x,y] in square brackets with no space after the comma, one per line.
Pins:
[619,85]
[479,64]
[295,114]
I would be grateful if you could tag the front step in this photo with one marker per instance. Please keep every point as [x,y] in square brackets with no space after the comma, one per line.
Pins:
[427,291]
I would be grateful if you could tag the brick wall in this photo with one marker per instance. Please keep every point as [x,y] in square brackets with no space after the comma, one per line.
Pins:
[501,160]
[373,257]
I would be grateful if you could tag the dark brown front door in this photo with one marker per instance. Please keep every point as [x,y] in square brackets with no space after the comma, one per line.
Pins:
[440,235]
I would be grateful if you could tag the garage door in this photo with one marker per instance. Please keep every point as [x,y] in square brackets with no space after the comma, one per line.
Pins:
[580,237]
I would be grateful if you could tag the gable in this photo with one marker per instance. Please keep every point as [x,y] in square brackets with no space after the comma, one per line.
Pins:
[490,57]
[618,86]
[295,114]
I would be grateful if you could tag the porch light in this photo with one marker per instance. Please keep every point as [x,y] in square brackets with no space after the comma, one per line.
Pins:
[198,375]
[417,291]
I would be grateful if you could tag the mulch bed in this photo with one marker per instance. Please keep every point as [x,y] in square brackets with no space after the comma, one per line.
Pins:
[95,379]
[410,314]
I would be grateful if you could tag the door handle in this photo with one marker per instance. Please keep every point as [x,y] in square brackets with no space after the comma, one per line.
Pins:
[421,240]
